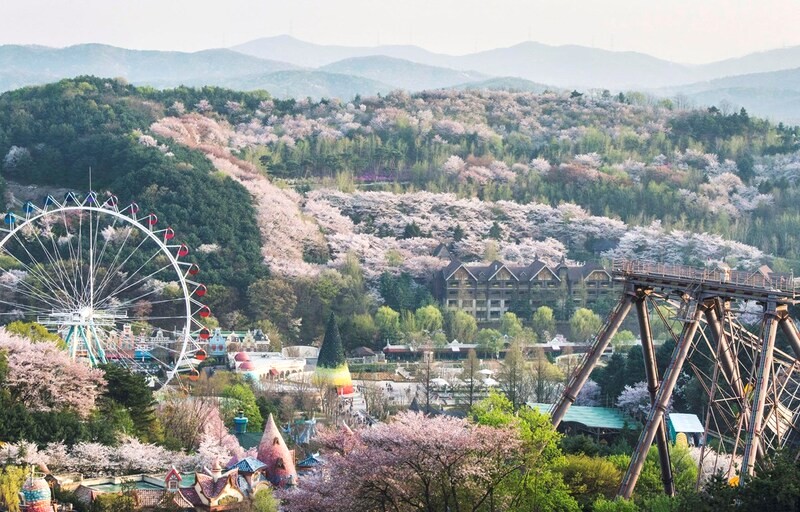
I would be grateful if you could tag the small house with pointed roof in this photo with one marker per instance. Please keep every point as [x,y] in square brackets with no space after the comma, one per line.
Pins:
[441,251]
[276,456]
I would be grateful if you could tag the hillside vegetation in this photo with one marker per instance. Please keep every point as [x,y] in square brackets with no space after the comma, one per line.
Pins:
[303,207]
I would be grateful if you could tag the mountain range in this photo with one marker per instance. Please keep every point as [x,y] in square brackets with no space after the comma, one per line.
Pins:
[765,83]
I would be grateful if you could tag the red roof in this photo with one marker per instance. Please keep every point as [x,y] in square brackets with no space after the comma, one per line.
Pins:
[241,356]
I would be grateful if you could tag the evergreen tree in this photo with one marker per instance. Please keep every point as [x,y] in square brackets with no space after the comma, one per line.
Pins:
[331,353]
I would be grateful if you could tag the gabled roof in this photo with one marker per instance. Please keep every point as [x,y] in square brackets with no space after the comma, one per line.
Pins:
[535,268]
[454,265]
[363,352]
[148,498]
[173,473]
[588,268]
[311,460]
[248,465]
[189,496]
[485,273]
[496,267]
[213,488]
[441,251]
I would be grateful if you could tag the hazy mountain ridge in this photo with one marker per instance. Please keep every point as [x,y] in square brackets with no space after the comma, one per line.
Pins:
[566,65]
[301,83]
[34,65]
[403,73]
[276,65]
[308,54]
[28,65]
[773,94]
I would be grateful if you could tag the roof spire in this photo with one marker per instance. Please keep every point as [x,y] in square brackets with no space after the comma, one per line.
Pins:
[273,452]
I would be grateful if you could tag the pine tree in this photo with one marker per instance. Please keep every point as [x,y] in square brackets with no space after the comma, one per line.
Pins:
[331,353]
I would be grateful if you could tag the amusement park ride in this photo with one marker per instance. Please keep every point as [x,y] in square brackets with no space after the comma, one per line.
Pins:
[752,387]
[90,271]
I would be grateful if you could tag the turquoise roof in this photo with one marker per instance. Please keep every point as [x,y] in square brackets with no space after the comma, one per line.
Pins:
[688,423]
[248,440]
[592,417]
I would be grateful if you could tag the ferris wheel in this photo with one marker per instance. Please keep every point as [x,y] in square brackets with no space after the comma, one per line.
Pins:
[113,285]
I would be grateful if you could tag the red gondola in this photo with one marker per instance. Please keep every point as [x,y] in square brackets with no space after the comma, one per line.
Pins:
[200,355]
[204,312]
[193,375]
[183,251]
[201,290]
[204,334]
[169,234]
[152,219]
[134,208]
[194,269]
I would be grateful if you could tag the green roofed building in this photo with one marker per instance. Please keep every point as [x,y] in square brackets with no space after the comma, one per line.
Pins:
[597,420]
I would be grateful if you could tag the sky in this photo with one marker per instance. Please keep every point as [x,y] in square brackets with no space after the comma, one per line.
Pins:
[686,31]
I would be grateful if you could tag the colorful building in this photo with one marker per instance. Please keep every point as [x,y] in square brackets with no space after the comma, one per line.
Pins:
[265,365]
[36,496]
[220,343]
[210,489]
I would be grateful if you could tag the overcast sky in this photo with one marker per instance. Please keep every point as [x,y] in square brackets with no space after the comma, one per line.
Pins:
[688,31]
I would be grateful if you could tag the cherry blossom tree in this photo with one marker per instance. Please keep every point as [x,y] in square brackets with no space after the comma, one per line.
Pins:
[589,394]
[44,377]
[412,463]
[130,456]
[216,442]
[635,400]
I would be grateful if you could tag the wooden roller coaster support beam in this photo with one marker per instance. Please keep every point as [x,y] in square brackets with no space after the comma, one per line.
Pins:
[789,329]
[729,358]
[659,408]
[714,316]
[651,369]
[579,378]
[754,431]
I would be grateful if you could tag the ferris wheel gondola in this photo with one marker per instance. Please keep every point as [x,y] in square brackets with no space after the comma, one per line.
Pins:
[113,285]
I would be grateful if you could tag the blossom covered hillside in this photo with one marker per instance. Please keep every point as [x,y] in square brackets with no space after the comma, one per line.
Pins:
[289,204]
[373,225]
[286,234]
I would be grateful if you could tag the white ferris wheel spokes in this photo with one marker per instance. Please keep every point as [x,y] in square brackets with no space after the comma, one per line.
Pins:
[116,288]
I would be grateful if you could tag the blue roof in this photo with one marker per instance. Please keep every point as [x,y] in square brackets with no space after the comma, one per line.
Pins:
[311,460]
[685,423]
[248,465]
[242,482]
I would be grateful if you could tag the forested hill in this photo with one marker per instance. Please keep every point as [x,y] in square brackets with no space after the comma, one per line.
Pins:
[52,135]
[329,193]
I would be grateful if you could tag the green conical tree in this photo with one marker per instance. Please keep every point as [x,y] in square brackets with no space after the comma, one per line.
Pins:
[331,353]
